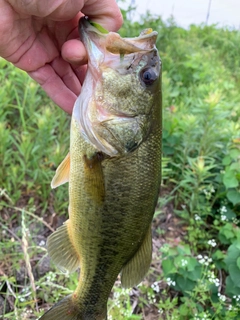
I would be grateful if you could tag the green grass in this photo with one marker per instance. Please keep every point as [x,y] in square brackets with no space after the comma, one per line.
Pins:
[196,263]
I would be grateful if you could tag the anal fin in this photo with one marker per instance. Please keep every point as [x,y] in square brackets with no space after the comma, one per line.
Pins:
[136,268]
[63,310]
[61,249]
[62,173]
[70,309]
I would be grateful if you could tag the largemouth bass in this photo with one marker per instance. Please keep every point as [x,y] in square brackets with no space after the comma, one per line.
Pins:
[113,170]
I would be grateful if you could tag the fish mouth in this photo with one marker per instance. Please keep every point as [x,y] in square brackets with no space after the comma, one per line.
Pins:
[108,50]
[96,39]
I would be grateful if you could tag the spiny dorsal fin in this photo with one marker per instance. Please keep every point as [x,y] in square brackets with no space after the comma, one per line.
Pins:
[134,271]
[61,249]
[62,173]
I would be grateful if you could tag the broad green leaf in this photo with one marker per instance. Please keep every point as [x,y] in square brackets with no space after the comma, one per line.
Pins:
[184,249]
[184,309]
[195,274]
[231,289]
[233,254]
[218,255]
[192,264]
[234,153]
[229,179]
[226,160]
[233,196]
[178,261]
[185,284]
[235,166]
[168,266]
[230,214]
[234,273]
[238,263]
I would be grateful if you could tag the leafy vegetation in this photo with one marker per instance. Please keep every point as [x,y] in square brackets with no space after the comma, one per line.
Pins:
[196,262]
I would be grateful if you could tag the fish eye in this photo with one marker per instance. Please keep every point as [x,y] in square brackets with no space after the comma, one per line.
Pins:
[148,76]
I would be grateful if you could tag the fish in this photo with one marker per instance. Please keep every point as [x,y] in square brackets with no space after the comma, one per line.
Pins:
[113,169]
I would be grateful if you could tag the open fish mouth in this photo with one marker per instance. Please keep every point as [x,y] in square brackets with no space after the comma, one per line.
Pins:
[110,124]
[92,33]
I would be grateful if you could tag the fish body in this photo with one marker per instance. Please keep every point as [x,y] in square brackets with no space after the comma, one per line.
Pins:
[113,169]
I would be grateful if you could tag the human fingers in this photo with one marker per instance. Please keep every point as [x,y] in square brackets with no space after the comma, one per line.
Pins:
[74,52]
[67,74]
[57,10]
[55,87]
[104,12]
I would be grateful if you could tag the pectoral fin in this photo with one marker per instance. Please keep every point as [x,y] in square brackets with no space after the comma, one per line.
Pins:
[62,173]
[93,178]
[134,271]
[61,249]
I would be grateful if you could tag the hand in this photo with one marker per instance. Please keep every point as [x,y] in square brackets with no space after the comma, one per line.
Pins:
[41,37]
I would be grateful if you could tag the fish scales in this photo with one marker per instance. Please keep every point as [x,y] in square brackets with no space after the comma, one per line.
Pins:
[114,172]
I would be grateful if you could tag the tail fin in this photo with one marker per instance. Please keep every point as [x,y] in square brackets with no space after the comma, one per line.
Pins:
[67,310]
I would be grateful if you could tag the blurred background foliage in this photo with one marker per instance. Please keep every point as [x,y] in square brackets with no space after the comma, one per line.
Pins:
[196,260]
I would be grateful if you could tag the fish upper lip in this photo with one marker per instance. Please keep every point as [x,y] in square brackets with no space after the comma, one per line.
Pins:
[85,28]
[84,23]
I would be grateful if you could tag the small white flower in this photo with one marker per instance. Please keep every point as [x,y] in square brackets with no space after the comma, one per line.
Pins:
[235,220]
[197,218]
[204,260]
[212,243]
[184,262]
[222,297]
[155,286]
[237,298]
[223,209]
[207,194]
[170,282]
[223,217]
[42,243]
[212,190]
[213,279]
[217,282]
